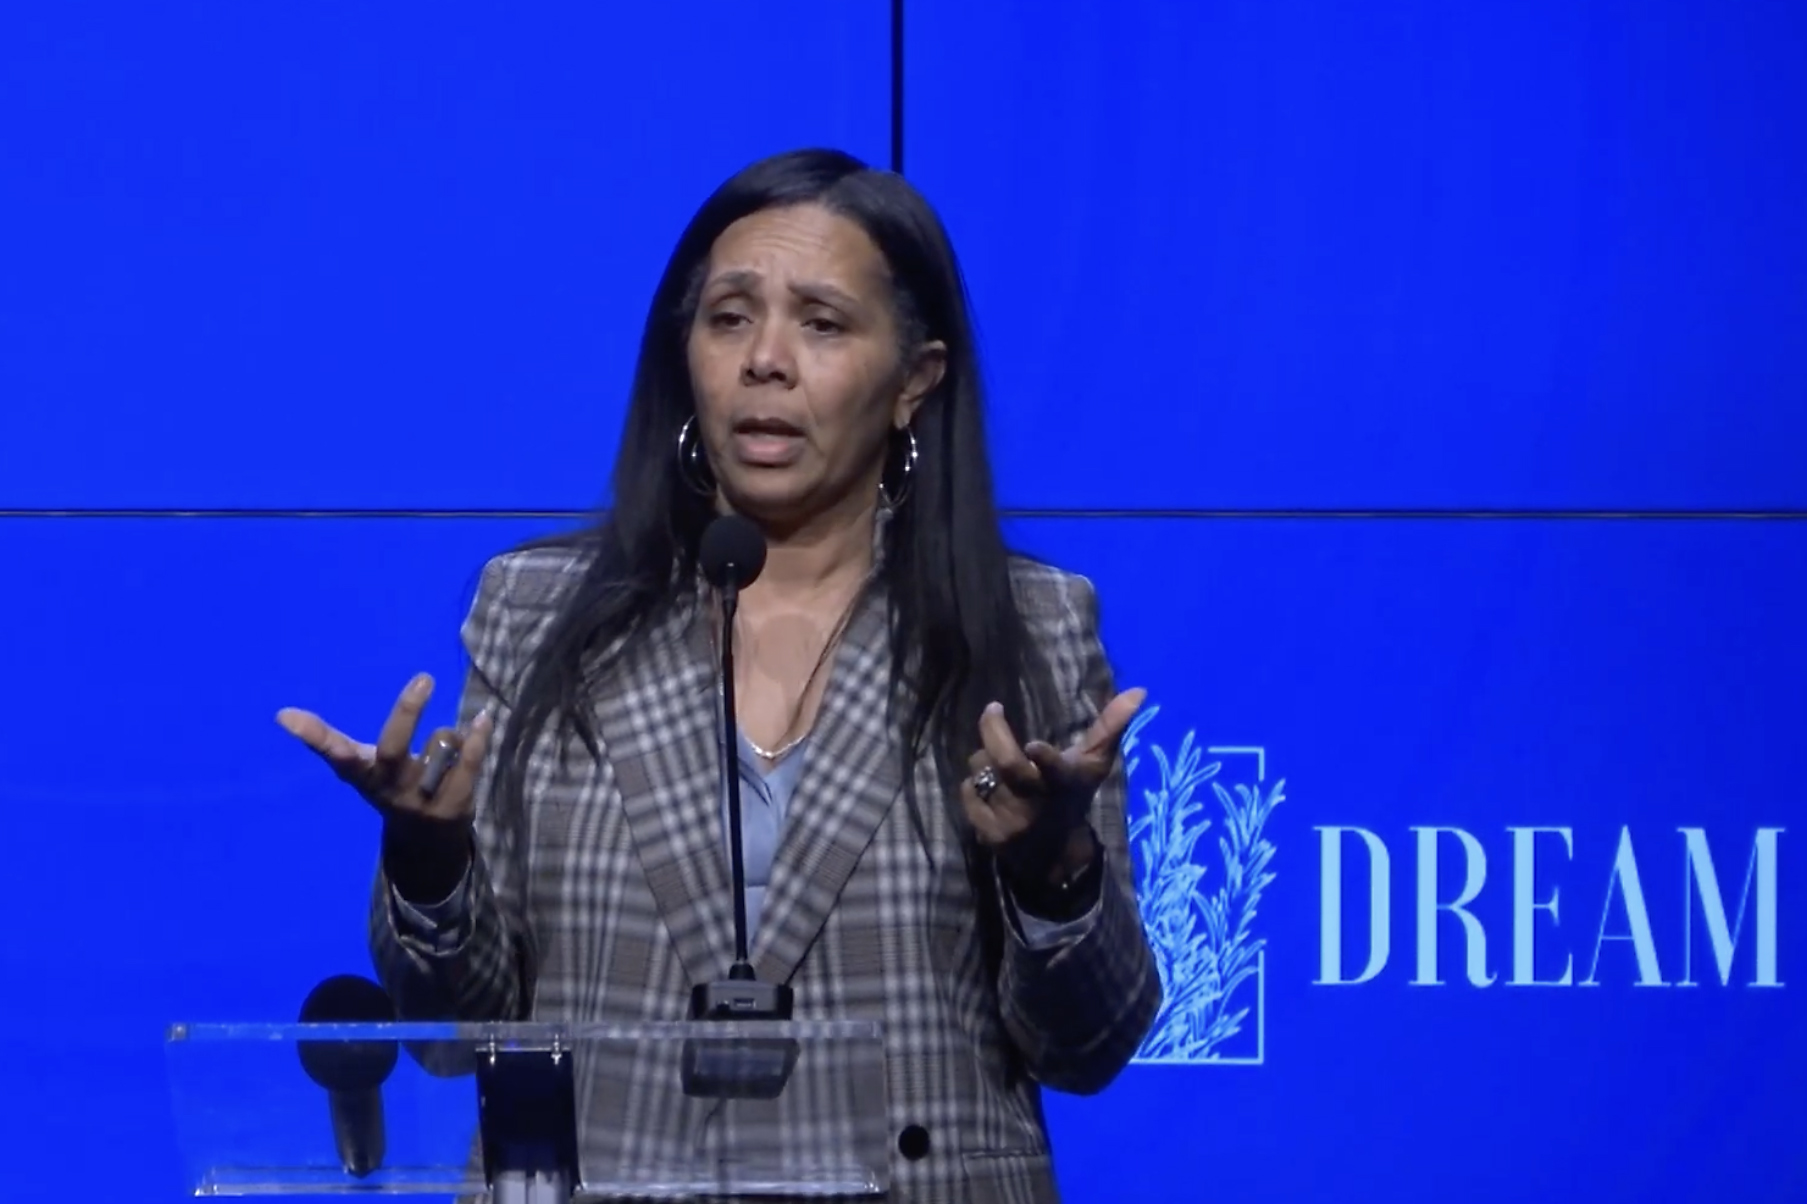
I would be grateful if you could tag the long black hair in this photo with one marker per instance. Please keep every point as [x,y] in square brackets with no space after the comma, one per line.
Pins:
[958,641]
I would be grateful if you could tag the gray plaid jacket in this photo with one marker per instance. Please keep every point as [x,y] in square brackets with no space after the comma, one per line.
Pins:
[628,895]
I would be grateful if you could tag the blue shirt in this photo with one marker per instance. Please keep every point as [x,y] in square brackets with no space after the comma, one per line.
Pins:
[765,796]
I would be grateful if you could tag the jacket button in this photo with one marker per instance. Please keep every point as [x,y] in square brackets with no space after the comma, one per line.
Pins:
[913,1142]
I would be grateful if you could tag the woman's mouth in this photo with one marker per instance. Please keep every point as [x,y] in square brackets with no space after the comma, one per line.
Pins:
[767,442]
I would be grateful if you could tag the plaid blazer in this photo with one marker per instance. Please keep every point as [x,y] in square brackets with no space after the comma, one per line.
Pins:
[627,887]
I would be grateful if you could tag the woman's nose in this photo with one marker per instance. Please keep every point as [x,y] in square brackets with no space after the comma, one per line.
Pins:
[768,361]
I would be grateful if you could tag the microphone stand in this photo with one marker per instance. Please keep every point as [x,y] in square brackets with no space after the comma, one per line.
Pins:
[742,969]
[737,1068]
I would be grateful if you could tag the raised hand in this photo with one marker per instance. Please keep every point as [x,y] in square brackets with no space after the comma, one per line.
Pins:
[1029,802]
[439,784]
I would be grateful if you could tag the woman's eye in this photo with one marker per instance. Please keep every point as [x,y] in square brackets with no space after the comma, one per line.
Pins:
[726,320]
[824,325]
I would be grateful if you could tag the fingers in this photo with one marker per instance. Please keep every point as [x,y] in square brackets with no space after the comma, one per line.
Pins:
[451,799]
[1035,776]
[440,783]
[394,745]
[1013,805]
[997,820]
[347,757]
[1005,755]
[438,760]
[1102,737]
[1048,760]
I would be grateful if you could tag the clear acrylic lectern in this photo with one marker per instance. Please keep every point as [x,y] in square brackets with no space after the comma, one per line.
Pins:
[532,1113]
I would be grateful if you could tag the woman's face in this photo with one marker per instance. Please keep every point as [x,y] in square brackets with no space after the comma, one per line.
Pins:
[796,364]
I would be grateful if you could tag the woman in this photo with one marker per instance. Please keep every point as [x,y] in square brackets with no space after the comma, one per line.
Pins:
[932,797]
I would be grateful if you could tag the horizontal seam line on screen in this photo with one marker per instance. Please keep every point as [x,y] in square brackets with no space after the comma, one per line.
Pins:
[1521,514]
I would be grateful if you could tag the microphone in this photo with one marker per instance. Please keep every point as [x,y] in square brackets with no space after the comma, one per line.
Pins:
[353,1072]
[731,555]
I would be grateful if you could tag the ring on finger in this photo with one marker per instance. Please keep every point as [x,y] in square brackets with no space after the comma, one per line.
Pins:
[985,783]
[441,756]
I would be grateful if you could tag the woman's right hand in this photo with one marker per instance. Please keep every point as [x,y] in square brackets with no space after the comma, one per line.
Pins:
[388,774]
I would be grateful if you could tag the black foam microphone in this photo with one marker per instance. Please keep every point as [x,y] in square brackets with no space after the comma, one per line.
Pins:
[353,1072]
[731,556]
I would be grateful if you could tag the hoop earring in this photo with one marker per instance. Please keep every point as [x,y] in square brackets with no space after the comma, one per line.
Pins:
[893,499]
[693,470]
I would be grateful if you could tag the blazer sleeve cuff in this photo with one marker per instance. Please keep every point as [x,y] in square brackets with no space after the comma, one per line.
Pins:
[1041,935]
[435,929]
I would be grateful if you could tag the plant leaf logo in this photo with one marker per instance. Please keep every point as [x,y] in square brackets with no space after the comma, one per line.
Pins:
[1200,911]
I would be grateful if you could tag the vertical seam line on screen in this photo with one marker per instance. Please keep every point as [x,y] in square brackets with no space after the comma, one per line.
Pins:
[897,86]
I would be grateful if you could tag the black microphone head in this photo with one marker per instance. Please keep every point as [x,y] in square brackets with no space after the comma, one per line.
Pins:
[732,553]
[348,1065]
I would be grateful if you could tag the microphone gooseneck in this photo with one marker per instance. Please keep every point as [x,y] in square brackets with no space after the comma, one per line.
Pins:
[736,1066]
[732,556]
[742,968]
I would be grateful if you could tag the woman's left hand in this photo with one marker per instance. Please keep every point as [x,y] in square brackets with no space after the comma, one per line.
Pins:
[1029,803]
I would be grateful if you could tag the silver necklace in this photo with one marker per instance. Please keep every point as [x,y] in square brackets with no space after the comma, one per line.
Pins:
[775,754]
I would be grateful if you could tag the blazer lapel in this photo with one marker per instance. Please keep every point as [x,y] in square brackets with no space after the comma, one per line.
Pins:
[659,725]
[851,776]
